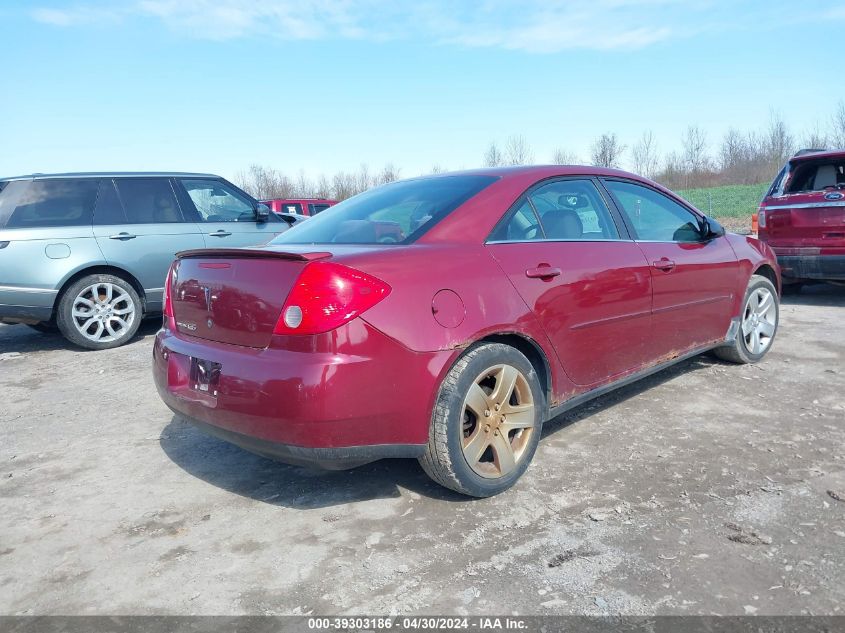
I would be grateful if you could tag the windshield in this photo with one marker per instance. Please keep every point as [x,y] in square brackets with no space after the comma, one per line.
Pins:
[397,213]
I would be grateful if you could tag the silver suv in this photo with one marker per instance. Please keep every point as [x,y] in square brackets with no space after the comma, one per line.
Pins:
[87,254]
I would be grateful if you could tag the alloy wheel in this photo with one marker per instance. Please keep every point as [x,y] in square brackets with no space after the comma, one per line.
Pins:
[759,320]
[498,421]
[103,312]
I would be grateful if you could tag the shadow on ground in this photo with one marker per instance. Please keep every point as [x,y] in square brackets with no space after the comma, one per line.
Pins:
[823,294]
[22,338]
[238,471]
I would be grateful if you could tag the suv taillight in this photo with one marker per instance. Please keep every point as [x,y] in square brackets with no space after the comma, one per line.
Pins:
[761,217]
[325,296]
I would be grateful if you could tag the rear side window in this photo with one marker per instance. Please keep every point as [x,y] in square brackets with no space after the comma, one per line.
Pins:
[316,208]
[43,203]
[396,213]
[148,200]
[108,210]
[290,207]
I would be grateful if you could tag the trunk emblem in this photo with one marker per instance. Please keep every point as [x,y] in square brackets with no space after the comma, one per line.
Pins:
[833,195]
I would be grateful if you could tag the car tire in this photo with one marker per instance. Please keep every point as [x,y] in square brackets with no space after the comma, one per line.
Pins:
[471,417]
[45,327]
[115,312]
[751,344]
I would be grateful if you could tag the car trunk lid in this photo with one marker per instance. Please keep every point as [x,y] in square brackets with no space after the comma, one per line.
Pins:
[234,295]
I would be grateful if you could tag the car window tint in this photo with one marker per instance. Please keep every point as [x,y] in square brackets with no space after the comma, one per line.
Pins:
[397,212]
[217,202]
[316,208]
[519,225]
[108,209]
[654,216]
[148,200]
[573,210]
[54,202]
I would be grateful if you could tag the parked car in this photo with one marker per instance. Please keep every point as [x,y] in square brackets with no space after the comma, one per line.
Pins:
[802,217]
[299,206]
[513,295]
[87,254]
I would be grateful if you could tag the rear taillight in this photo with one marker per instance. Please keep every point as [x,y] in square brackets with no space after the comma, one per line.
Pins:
[761,218]
[168,292]
[325,296]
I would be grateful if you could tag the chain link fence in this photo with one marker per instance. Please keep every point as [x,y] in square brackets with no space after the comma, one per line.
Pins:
[730,201]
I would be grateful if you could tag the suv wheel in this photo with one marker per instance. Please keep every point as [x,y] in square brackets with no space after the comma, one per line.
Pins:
[99,312]
[758,323]
[486,423]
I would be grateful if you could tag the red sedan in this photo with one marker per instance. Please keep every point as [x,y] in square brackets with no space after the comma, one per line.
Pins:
[505,297]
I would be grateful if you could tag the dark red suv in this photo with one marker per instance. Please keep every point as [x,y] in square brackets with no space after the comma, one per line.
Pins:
[802,217]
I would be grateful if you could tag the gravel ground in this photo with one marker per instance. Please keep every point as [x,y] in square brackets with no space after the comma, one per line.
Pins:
[709,488]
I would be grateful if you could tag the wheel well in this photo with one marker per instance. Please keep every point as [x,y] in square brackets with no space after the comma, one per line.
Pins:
[532,351]
[102,270]
[768,272]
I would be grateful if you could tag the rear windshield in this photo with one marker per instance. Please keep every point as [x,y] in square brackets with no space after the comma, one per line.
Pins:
[816,176]
[41,203]
[397,213]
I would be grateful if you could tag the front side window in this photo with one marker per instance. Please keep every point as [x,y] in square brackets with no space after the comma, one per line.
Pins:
[148,200]
[217,202]
[399,212]
[655,217]
[53,202]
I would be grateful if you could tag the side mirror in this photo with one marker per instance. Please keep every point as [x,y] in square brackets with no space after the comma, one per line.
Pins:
[262,212]
[710,229]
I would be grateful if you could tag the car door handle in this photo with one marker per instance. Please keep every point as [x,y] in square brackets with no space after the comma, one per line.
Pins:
[542,272]
[122,236]
[664,264]
[220,233]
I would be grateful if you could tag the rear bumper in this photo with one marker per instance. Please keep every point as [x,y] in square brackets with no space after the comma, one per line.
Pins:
[340,458]
[345,398]
[812,266]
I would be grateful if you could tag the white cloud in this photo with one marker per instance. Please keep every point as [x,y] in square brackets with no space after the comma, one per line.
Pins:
[536,26]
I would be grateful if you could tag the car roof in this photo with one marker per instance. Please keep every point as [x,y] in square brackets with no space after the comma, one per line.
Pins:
[540,171]
[115,174]
[822,155]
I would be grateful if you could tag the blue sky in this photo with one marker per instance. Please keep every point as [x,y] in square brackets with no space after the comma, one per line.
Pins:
[215,85]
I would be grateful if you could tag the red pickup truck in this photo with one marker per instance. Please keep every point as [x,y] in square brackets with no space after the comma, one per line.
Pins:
[299,206]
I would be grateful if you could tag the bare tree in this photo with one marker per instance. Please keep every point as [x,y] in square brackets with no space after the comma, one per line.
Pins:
[264,182]
[644,155]
[564,157]
[694,144]
[388,174]
[837,126]
[344,184]
[778,144]
[607,151]
[815,138]
[323,188]
[437,168]
[493,157]
[517,151]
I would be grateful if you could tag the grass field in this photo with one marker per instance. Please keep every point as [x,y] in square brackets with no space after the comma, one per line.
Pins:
[730,201]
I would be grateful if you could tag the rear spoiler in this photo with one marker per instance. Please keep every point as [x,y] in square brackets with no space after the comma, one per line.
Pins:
[263,253]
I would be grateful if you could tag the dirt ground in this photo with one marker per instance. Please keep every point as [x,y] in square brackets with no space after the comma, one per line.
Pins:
[707,489]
